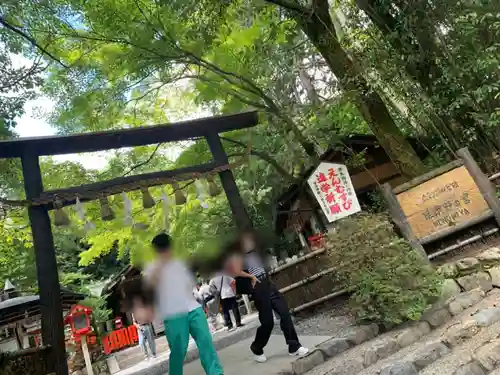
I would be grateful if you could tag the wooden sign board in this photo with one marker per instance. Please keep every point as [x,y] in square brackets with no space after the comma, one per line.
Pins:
[442,202]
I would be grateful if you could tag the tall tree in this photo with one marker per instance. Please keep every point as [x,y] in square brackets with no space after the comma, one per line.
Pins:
[316,22]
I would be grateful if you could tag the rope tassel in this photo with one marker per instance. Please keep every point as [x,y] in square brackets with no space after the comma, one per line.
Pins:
[213,189]
[60,217]
[180,198]
[147,199]
[107,213]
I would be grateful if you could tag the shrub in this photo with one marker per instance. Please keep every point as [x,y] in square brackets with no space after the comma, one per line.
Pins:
[390,281]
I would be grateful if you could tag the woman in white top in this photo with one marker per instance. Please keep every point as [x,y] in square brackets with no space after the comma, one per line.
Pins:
[225,287]
[177,306]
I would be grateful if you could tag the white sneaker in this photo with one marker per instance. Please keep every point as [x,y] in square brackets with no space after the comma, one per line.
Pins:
[300,352]
[260,358]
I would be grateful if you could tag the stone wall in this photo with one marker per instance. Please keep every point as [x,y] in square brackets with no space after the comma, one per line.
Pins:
[481,271]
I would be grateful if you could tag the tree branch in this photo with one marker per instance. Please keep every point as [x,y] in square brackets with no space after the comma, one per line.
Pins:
[290,5]
[264,156]
[32,41]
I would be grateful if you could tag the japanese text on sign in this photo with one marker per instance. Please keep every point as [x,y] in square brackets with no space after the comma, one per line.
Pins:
[332,187]
[442,202]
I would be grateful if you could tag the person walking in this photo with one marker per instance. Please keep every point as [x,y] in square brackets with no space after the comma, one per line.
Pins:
[224,286]
[210,304]
[145,330]
[247,266]
[177,306]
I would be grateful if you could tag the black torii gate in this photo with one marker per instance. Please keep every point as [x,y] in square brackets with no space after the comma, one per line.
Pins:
[30,149]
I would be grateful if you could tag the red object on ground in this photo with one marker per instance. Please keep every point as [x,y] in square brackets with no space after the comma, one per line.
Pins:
[118,323]
[317,240]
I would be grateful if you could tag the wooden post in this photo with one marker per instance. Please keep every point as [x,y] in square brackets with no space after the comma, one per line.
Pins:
[400,219]
[86,355]
[482,181]
[228,183]
[46,267]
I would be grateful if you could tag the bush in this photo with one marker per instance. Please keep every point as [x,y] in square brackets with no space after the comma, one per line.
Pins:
[390,281]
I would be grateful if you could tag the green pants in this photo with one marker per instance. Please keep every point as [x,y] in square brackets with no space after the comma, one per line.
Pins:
[178,329]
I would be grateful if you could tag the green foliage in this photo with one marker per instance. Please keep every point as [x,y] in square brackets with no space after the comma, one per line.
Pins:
[391,283]
[100,313]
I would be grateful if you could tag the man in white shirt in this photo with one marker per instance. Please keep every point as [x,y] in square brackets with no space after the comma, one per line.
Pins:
[177,306]
[225,288]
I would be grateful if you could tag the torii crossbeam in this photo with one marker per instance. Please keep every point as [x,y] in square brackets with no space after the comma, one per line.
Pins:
[30,149]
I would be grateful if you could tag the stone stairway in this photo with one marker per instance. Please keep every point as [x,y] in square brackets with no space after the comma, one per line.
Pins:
[459,337]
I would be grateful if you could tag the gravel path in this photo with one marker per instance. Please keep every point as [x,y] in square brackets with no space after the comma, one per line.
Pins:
[329,320]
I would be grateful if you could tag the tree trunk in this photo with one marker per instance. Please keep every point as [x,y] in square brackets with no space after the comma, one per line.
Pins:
[307,84]
[318,26]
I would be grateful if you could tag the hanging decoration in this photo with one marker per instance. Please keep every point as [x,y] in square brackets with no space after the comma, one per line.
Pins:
[127,205]
[60,217]
[165,204]
[147,199]
[107,213]
[80,211]
[202,194]
[180,198]
[213,189]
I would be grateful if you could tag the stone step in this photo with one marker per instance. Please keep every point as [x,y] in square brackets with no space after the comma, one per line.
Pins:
[415,347]
[449,347]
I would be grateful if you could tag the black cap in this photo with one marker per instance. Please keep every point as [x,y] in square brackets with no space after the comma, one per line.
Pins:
[162,243]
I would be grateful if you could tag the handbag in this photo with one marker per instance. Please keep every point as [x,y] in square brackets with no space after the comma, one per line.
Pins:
[215,293]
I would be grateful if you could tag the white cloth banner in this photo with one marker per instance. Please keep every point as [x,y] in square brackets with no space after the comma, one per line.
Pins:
[332,187]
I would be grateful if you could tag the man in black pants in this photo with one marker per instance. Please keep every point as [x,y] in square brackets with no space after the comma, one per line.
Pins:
[251,278]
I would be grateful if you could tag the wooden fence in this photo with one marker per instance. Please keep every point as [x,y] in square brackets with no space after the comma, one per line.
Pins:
[307,281]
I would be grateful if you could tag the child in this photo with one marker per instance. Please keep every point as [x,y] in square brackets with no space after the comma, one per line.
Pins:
[182,314]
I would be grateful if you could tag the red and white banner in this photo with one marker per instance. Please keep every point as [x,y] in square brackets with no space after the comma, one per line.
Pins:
[332,187]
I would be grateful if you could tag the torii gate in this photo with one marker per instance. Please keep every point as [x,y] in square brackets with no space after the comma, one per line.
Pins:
[30,149]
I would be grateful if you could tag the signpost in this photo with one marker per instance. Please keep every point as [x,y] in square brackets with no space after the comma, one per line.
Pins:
[442,202]
[445,201]
[332,187]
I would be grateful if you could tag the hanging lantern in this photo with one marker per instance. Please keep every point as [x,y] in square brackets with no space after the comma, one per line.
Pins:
[201,193]
[180,198]
[147,199]
[127,205]
[213,189]
[60,217]
[107,213]
[165,204]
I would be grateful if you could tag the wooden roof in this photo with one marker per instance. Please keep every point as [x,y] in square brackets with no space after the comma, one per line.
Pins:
[19,308]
